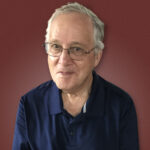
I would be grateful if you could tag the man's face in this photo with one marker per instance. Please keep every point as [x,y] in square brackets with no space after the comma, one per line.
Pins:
[67,30]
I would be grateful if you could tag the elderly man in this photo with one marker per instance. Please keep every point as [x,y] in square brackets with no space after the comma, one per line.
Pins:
[77,109]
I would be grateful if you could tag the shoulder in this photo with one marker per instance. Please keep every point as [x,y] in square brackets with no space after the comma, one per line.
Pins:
[37,94]
[39,99]
[113,93]
[40,89]
[116,100]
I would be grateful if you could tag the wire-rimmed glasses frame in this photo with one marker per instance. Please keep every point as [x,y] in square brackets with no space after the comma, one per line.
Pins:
[75,52]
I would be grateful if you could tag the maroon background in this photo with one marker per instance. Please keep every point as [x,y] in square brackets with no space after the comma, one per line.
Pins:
[23,63]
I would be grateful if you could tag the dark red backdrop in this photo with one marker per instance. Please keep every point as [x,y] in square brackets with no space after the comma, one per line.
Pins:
[23,63]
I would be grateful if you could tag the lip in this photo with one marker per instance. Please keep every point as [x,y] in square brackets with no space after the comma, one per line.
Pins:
[65,73]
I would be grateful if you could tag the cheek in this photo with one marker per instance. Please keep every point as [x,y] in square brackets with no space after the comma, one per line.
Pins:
[52,61]
[51,65]
[86,67]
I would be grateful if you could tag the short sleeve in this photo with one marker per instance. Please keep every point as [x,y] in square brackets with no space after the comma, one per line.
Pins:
[128,128]
[20,141]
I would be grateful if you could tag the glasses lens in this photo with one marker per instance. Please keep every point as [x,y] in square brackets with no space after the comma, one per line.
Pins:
[53,49]
[76,53]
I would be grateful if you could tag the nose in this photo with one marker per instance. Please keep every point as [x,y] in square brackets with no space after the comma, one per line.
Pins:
[65,58]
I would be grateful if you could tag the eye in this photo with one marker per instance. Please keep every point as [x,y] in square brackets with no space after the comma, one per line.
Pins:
[77,50]
[56,46]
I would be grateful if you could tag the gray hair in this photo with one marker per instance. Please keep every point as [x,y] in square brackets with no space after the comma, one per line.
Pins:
[76,7]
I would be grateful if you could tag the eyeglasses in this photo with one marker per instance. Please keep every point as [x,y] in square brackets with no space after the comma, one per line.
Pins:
[75,52]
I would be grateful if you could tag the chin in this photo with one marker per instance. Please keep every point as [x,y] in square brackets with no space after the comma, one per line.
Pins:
[64,88]
[63,85]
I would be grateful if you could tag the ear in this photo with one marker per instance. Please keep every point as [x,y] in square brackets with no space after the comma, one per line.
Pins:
[98,57]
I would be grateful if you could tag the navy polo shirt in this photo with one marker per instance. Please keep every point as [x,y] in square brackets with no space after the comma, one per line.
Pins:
[108,121]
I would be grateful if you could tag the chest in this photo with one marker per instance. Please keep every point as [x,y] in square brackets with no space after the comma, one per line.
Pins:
[62,132]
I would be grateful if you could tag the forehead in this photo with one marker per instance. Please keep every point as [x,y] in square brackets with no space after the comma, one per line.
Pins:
[71,27]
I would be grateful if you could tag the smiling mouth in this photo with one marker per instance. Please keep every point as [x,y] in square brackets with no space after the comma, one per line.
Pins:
[65,74]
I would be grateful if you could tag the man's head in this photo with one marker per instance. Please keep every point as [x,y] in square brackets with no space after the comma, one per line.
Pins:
[98,25]
[71,45]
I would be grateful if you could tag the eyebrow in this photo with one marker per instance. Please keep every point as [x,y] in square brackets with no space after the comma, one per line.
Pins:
[77,43]
[72,43]
[54,41]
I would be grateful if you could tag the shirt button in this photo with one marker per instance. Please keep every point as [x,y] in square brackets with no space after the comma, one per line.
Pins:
[71,133]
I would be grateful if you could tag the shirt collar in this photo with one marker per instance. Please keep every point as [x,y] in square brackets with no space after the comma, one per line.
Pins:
[95,102]
[54,101]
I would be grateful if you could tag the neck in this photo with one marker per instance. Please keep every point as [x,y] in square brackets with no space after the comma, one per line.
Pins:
[73,101]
